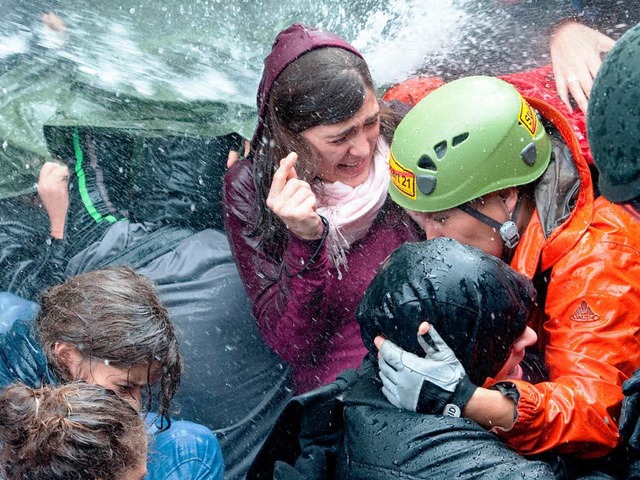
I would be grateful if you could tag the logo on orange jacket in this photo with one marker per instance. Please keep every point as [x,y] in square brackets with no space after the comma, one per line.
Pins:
[584,314]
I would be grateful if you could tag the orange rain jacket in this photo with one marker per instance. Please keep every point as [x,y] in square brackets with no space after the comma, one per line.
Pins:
[590,334]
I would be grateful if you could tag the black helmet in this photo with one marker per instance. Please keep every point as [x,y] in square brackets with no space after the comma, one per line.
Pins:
[613,120]
[477,303]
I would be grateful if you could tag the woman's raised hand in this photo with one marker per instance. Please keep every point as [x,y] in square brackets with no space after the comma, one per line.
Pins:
[293,201]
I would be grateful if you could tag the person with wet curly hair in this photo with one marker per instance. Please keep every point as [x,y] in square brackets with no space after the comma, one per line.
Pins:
[108,327]
[74,431]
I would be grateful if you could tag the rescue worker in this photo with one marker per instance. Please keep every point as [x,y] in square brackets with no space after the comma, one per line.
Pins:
[477,162]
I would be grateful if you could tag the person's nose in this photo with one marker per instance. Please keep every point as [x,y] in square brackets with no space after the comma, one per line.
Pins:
[134,398]
[529,338]
[360,146]
[433,230]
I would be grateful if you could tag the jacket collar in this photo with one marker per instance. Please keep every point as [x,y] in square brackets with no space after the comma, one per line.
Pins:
[539,250]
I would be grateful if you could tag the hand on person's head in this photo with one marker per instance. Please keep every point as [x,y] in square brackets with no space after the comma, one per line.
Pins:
[428,384]
[293,201]
[53,190]
[423,328]
[576,57]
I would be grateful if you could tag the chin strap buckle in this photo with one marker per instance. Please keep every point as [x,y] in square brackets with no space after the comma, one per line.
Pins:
[509,233]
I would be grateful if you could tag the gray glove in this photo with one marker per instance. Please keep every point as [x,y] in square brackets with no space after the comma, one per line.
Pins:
[436,384]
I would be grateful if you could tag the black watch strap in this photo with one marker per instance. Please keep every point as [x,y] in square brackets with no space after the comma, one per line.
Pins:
[464,391]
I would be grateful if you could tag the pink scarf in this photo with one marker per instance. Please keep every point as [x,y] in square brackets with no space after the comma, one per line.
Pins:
[352,210]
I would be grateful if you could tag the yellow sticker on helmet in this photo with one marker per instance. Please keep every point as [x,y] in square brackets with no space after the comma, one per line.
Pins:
[403,178]
[528,117]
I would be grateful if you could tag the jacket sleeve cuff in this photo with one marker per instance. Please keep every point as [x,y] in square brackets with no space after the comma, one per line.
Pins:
[303,254]
[527,405]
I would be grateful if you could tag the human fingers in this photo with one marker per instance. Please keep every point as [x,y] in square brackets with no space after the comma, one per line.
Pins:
[391,355]
[283,173]
[232,158]
[378,341]
[308,206]
[296,186]
[605,43]
[288,164]
[391,383]
[437,349]
[579,88]
[296,205]
[52,173]
[287,200]
[390,391]
[299,214]
[291,159]
[423,328]
[562,88]
[593,66]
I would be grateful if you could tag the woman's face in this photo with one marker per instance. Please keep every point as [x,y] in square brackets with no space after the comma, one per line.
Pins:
[126,383]
[346,149]
[512,369]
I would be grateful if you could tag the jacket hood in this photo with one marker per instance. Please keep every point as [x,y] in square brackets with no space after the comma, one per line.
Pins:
[476,302]
[290,44]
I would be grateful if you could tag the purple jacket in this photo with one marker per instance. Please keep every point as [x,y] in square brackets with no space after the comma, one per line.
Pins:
[308,319]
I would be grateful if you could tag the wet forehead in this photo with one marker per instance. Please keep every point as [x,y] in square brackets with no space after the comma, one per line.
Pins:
[369,110]
[137,375]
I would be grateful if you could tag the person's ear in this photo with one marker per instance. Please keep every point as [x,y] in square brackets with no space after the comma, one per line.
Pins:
[509,197]
[68,358]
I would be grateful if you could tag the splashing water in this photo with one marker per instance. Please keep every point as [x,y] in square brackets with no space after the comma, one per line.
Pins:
[213,49]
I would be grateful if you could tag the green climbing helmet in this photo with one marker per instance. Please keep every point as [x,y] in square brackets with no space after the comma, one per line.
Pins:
[470,137]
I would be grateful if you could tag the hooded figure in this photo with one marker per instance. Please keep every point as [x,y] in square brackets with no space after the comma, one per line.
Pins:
[289,45]
[306,264]
[348,429]
[478,305]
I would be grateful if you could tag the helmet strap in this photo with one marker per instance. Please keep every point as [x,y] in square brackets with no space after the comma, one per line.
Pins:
[508,230]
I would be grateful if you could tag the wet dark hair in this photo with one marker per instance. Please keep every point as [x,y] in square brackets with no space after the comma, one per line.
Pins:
[67,432]
[321,87]
[478,304]
[113,314]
